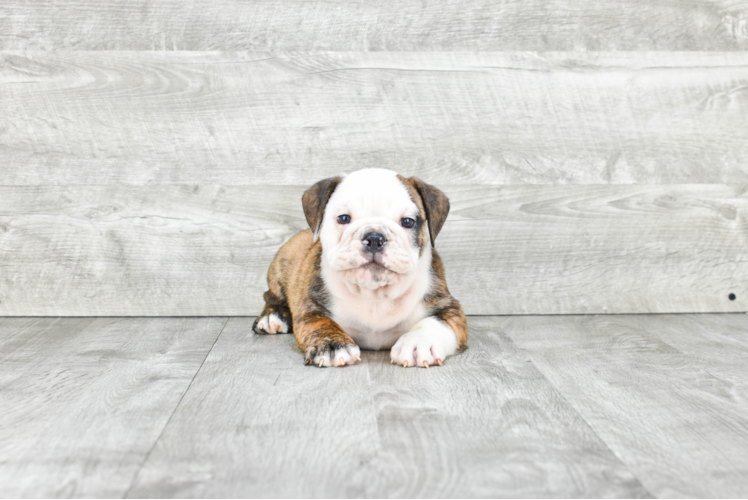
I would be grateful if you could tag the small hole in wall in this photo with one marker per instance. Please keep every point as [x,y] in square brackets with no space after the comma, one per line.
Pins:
[732,296]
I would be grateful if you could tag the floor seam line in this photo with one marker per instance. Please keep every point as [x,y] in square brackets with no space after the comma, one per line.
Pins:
[579,414]
[527,354]
[176,407]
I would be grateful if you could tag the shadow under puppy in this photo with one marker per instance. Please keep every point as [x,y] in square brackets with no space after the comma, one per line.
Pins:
[366,274]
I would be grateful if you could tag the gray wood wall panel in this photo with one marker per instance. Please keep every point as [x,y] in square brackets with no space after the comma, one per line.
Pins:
[85,399]
[374,25]
[256,422]
[452,118]
[205,250]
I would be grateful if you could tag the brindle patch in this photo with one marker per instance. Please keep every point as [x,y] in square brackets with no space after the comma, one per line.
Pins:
[440,303]
[296,284]
[315,200]
[436,204]
[419,235]
[273,299]
[432,203]
[419,229]
[321,335]
[318,299]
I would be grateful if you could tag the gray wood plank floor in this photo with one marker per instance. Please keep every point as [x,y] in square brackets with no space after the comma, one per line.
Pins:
[604,406]
[84,399]
[664,393]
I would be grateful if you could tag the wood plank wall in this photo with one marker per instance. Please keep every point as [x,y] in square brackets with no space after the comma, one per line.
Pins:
[153,154]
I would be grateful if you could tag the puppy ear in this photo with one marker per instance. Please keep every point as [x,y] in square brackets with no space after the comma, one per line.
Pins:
[436,204]
[315,200]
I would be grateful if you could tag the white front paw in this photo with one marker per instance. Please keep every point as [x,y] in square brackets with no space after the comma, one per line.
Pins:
[346,355]
[428,343]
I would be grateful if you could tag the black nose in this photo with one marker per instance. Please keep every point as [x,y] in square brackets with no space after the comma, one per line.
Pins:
[373,242]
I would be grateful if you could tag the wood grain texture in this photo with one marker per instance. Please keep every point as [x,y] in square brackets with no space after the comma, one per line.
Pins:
[84,399]
[451,118]
[205,250]
[668,394]
[552,406]
[256,422]
[374,25]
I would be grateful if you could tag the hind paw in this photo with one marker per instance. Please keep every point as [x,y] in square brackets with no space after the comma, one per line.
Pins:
[270,324]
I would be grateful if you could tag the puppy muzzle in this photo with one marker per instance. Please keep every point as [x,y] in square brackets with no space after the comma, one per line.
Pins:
[368,242]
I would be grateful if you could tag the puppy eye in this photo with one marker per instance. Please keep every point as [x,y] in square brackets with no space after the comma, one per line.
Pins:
[344,219]
[407,222]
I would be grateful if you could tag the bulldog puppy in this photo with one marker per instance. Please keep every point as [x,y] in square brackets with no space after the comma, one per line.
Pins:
[366,274]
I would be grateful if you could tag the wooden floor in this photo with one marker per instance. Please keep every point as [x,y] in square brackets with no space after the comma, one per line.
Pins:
[560,406]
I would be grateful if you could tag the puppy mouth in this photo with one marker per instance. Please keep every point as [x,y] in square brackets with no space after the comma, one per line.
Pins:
[373,265]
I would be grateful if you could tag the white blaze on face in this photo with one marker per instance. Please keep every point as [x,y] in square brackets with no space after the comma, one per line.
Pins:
[376,201]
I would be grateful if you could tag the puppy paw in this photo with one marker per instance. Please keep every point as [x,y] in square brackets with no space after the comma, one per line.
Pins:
[271,324]
[428,343]
[332,353]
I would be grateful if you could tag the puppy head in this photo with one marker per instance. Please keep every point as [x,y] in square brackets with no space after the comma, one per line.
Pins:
[374,224]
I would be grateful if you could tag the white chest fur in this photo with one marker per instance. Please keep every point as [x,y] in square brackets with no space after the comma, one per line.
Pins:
[376,319]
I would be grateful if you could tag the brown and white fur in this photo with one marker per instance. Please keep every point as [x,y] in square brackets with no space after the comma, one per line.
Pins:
[366,281]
